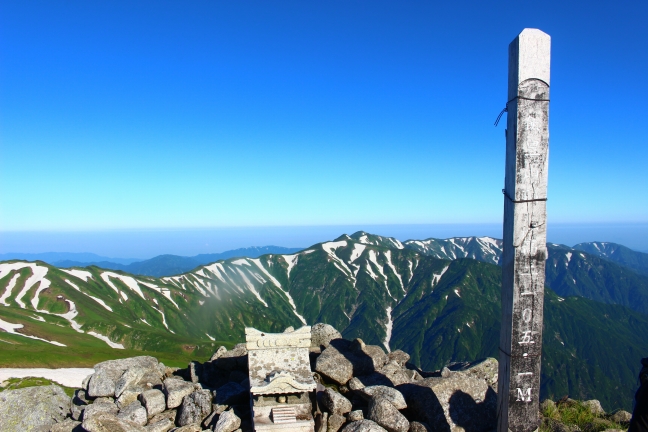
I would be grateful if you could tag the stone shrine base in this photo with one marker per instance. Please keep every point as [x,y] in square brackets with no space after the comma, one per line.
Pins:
[266,424]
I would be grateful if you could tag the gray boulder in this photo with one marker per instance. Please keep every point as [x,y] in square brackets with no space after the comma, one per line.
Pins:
[356,415]
[138,379]
[335,422]
[457,403]
[334,365]
[622,417]
[134,412]
[33,408]
[375,378]
[418,427]
[393,372]
[386,415]
[153,401]
[355,384]
[195,370]
[321,422]
[80,398]
[68,425]
[594,406]
[227,422]
[170,414]
[195,407]
[486,369]
[211,420]
[100,407]
[363,426]
[127,397]
[105,422]
[412,374]
[549,424]
[163,425]
[85,382]
[104,380]
[176,390]
[322,334]
[189,428]
[395,397]
[219,353]
[77,412]
[399,357]
[335,403]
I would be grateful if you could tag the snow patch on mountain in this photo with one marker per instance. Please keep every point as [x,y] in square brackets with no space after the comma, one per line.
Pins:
[98,300]
[291,260]
[257,262]
[373,260]
[437,277]
[81,274]
[110,343]
[393,268]
[388,328]
[166,292]
[38,275]
[9,289]
[70,315]
[11,328]
[358,248]
[330,248]
[130,282]
[44,284]
[251,287]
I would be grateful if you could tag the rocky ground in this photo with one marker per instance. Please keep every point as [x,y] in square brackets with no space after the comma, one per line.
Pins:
[360,388]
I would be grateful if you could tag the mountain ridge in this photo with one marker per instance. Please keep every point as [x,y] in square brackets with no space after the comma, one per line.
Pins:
[436,309]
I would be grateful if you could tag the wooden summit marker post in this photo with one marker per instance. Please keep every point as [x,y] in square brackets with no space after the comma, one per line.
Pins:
[525,217]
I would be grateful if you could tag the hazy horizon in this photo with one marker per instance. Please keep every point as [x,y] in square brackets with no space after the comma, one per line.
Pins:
[144,244]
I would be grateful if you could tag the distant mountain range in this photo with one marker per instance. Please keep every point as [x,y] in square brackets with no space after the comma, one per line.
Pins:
[161,265]
[54,257]
[438,300]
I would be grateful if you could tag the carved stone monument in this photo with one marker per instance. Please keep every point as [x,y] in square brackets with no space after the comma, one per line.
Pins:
[281,380]
[525,232]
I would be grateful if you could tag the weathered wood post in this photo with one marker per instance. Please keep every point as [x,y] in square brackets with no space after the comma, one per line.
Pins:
[525,217]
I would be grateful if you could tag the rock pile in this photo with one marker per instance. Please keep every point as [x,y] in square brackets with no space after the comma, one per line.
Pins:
[360,388]
[366,389]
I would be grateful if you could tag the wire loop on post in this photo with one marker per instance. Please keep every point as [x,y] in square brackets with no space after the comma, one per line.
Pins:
[521,201]
[516,97]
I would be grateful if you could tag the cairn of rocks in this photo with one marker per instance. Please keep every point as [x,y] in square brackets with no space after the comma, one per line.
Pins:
[359,388]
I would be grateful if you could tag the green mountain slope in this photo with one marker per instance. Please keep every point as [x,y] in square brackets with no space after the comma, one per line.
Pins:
[637,261]
[569,271]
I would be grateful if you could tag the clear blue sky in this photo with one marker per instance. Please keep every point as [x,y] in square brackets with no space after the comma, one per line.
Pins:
[158,114]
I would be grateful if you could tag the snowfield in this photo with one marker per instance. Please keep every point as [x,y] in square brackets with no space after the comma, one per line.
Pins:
[69,377]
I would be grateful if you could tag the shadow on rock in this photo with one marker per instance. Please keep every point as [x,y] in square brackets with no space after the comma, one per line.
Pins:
[471,415]
[424,406]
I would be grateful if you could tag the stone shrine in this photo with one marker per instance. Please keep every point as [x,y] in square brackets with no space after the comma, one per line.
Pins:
[281,380]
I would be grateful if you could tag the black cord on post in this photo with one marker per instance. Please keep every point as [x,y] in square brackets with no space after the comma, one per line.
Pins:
[505,110]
